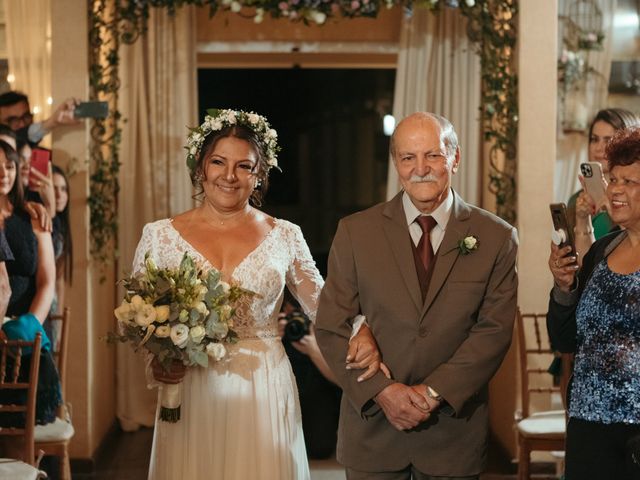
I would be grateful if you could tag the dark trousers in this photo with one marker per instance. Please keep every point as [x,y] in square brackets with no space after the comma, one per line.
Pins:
[598,450]
[409,473]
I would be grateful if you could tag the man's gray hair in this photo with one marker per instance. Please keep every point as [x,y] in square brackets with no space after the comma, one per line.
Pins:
[447,132]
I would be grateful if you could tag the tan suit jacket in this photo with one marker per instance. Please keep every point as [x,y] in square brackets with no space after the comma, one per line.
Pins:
[454,341]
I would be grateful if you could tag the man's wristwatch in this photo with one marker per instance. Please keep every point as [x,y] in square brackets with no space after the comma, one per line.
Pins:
[431,393]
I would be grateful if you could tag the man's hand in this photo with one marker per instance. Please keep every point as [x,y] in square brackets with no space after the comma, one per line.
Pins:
[38,215]
[403,406]
[363,352]
[63,115]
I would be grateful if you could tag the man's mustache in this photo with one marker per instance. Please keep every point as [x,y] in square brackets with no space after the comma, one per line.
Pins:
[429,177]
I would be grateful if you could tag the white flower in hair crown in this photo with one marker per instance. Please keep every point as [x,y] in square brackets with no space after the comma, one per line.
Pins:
[217,119]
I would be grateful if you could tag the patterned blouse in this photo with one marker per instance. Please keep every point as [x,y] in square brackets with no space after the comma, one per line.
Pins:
[606,384]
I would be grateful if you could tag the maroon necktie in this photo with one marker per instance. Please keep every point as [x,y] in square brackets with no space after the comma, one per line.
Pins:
[425,251]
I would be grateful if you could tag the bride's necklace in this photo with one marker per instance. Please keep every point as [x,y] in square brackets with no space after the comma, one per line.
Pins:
[215,222]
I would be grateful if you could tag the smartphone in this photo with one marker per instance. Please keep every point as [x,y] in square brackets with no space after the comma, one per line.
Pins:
[562,234]
[91,110]
[40,159]
[592,174]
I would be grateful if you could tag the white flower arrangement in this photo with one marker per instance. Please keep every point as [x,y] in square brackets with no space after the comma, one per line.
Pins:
[178,315]
[217,119]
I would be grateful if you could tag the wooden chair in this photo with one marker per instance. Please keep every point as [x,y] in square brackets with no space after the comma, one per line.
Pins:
[11,354]
[54,438]
[542,430]
[61,325]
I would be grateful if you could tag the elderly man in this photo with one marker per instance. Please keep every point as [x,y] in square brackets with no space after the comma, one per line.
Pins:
[436,280]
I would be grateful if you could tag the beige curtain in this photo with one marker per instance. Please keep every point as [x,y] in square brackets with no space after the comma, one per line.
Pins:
[439,72]
[28,30]
[572,146]
[158,99]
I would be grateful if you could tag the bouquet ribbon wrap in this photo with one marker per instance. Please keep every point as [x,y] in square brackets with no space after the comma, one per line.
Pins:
[170,401]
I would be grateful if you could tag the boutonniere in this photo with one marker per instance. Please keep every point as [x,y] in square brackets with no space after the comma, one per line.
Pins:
[468,244]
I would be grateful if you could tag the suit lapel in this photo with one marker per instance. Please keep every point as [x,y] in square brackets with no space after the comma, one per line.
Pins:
[397,233]
[448,252]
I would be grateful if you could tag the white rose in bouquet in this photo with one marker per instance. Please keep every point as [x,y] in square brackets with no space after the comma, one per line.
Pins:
[162,313]
[200,307]
[197,333]
[137,302]
[179,335]
[163,331]
[124,312]
[216,351]
[146,315]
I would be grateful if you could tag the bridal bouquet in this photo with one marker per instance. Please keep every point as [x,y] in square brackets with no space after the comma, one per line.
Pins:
[182,314]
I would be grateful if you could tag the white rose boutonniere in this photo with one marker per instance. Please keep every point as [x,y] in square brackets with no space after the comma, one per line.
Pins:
[468,244]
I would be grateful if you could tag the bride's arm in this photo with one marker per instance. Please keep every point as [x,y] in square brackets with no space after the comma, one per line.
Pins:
[305,283]
[303,278]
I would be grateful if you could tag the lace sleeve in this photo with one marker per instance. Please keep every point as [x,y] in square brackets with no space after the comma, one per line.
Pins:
[303,278]
[146,244]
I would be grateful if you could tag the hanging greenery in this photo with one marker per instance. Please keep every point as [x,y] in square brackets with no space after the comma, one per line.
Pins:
[492,29]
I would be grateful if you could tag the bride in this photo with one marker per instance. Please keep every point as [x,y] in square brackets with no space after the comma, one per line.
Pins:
[240,416]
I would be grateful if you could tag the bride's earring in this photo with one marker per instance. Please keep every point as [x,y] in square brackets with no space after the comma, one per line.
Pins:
[257,185]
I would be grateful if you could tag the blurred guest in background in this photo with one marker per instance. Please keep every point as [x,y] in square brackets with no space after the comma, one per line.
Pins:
[16,113]
[32,280]
[62,244]
[593,221]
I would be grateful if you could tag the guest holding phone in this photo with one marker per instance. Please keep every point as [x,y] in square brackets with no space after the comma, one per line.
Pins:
[32,280]
[592,220]
[594,313]
[15,112]
[36,174]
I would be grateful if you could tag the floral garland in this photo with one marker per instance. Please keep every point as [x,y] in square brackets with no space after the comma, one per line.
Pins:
[492,28]
[216,120]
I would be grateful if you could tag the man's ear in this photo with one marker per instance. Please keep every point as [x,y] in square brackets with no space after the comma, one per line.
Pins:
[456,161]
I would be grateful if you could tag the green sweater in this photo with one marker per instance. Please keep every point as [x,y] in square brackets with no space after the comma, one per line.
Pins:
[601,221]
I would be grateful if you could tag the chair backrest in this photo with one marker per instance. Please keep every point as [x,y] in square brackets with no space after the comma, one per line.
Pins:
[61,325]
[11,359]
[535,357]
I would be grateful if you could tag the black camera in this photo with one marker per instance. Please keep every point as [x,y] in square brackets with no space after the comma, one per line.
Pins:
[298,325]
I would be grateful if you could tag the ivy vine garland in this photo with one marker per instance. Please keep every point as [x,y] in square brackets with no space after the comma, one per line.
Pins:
[491,27]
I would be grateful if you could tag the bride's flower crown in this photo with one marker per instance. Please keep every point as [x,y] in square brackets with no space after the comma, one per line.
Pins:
[217,119]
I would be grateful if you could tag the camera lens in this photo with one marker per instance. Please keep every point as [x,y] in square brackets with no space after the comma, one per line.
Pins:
[297,326]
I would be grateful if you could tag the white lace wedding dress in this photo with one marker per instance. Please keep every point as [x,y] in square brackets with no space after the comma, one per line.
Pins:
[240,418]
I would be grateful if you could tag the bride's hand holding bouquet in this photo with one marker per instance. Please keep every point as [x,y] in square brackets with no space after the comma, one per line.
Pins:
[182,317]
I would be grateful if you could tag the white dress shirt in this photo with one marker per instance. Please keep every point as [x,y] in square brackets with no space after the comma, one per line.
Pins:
[441,215]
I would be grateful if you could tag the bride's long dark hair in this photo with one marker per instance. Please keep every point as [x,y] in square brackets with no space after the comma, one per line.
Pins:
[261,169]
